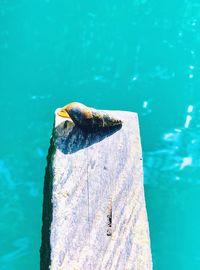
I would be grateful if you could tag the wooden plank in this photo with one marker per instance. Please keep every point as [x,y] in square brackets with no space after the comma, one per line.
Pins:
[94,214]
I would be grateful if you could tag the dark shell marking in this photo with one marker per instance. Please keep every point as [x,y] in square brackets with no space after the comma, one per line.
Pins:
[88,118]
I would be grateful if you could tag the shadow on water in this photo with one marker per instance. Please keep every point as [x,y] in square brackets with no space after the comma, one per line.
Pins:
[47,211]
[68,139]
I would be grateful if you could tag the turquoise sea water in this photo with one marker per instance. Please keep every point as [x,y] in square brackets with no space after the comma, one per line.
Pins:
[139,55]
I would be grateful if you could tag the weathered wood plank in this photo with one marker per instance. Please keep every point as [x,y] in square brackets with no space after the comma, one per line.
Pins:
[96,216]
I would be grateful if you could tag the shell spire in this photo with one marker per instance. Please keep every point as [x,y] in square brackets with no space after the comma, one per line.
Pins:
[88,118]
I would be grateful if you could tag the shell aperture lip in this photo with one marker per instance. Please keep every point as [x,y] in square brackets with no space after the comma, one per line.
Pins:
[63,113]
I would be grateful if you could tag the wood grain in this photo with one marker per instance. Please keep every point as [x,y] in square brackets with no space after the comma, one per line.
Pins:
[96,218]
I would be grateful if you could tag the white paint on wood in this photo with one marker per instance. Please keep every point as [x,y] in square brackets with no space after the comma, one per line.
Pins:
[97,177]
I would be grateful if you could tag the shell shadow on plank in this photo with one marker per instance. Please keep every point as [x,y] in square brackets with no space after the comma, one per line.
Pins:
[70,138]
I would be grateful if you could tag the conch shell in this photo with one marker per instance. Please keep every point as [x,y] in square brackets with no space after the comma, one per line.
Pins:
[88,118]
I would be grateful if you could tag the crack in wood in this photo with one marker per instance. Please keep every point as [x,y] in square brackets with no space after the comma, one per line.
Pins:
[109,218]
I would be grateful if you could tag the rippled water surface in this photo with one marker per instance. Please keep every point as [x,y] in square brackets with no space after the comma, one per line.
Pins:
[138,55]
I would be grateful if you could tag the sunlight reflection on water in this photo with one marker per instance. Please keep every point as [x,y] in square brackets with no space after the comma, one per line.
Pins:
[5,176]
[18,251]
[179,151]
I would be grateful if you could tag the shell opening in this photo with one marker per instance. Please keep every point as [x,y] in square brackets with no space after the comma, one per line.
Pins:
[63,113]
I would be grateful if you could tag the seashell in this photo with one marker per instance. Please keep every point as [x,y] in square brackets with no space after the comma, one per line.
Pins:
[88,118]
